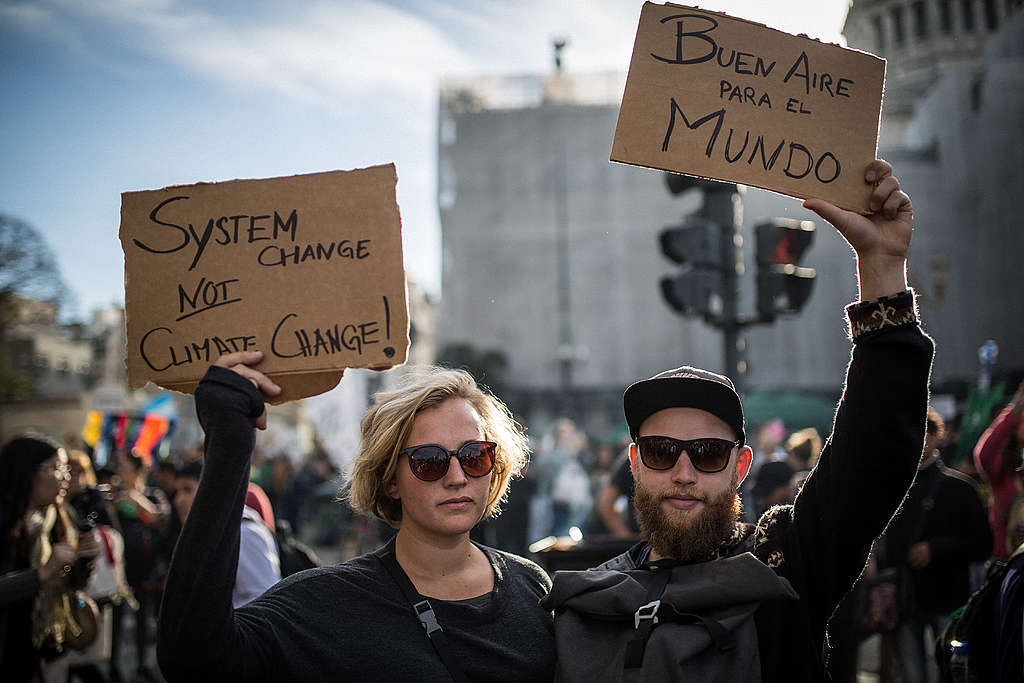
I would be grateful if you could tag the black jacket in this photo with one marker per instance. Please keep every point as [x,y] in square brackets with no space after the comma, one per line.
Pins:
[349,622]
[956,530]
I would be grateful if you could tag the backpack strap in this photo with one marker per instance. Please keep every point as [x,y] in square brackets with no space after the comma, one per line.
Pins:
[645,619]
[422,609]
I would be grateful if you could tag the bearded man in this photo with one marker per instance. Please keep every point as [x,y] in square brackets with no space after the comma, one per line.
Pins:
[705,597]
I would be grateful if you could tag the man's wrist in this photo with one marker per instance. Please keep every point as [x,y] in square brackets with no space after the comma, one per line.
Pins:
[892,310]
[878,277]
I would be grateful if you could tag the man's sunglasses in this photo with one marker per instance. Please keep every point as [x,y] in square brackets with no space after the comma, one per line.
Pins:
[429,461]
[707,455]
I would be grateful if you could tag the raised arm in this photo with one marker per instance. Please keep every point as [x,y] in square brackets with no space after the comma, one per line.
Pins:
[869,461]
[199,634]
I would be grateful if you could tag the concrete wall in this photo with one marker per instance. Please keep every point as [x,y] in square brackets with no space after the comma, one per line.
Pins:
[500,273]
[500,265]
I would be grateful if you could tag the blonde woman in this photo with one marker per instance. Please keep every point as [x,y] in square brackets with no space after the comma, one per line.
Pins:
[436,457]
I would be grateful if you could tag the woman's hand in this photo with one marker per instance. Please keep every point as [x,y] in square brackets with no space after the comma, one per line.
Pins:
[62,556]
[242,362]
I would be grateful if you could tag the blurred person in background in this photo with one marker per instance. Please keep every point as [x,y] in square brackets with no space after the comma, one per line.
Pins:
[767,447]
[773,485]
[997,456]
[570,489]
[44,560]
[599,471]
[259,566]
[108,586]
[279,484]
[614,504]
[802,449]
[162,477]
[143,512]
[939,531]
[1009,645]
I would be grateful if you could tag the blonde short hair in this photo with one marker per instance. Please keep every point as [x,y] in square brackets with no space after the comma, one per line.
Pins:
[385,427]
[805,445]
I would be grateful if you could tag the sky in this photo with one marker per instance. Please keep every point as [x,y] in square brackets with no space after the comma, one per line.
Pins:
[107,96]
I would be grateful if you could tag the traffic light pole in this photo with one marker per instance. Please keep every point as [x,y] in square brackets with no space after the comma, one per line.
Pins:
[709,246]
[723,206]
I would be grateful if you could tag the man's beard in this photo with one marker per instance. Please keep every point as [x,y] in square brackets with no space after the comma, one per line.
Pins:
[687,539]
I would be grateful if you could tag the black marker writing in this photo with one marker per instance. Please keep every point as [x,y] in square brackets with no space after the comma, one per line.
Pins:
[159,353]
[291,340]
[822,82]
[207,294]
[283,256]
[826,168]
[730,92]
[742,62]
[230,229]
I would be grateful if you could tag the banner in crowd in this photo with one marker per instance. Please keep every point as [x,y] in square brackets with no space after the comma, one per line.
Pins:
[132,432]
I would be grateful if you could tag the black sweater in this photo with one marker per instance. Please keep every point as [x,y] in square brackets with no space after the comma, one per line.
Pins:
[341,623]
[821,542]
[956,530]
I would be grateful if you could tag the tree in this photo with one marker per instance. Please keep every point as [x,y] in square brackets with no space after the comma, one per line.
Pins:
[28,270]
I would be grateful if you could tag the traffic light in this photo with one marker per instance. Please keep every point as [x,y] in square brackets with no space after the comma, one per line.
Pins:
[783,286]
[697,288]
[695,241]
[694,291]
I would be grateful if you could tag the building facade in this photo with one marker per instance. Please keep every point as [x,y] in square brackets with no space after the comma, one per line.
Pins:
[550,252]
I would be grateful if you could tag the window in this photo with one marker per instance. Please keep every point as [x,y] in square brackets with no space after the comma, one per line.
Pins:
[946,16]
[920,19]
[879,26]
[991,16]
[898,33]
[967,9]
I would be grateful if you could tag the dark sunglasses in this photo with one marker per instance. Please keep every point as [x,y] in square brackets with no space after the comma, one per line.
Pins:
[429,461]
[707,455]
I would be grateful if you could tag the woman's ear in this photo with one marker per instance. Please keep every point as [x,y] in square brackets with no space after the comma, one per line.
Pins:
[391,488]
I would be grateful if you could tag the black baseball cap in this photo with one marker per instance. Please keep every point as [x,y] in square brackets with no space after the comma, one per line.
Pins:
[770,476]
[685,387]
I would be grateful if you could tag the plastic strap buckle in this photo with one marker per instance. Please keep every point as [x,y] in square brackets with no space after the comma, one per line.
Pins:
[647,612]
[427,617]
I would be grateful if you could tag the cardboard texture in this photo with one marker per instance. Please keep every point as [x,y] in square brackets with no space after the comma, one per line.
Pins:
[307,269]
[718,97]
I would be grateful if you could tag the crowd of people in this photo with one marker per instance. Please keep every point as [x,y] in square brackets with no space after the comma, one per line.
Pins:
[87,548]
[754,559]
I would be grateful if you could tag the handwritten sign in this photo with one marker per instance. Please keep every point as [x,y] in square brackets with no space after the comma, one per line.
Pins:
[307,269]
[714,96]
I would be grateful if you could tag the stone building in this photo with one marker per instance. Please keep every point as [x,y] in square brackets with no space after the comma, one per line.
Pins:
[951,122]
[551,257]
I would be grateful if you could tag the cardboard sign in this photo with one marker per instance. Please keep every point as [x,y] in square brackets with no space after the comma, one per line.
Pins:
[307,269]
[714,96]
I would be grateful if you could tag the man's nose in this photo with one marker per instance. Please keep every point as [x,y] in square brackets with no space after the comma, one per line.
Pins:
[684,473]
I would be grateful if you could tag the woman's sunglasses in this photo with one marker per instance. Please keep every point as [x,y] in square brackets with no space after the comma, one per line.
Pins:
[429,461]
[707,455]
